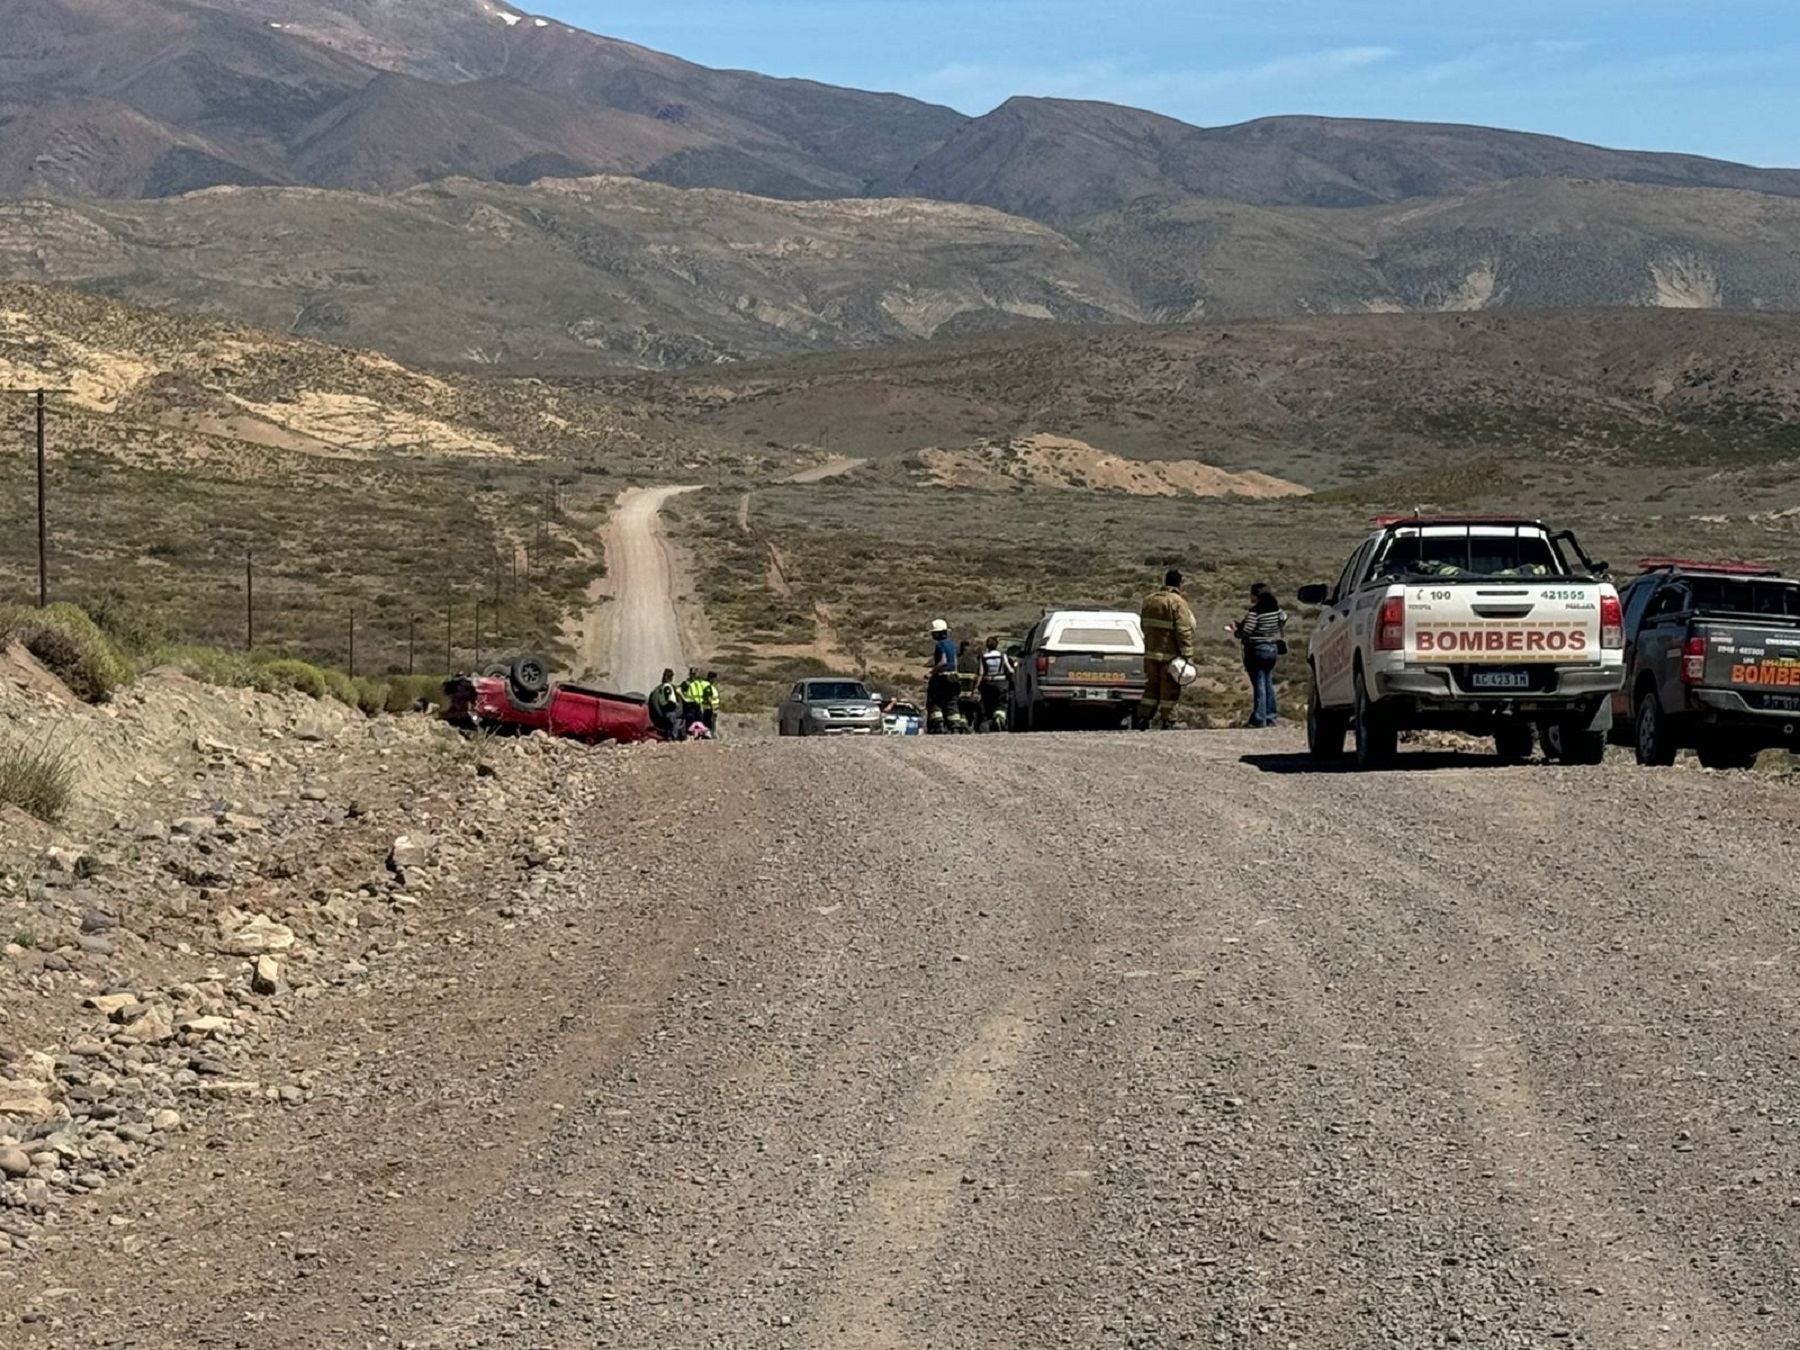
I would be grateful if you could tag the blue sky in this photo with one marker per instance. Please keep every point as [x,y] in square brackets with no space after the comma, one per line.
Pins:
[1714,77]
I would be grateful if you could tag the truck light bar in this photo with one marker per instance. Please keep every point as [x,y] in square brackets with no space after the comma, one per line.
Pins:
[1739,569]
[1434,518]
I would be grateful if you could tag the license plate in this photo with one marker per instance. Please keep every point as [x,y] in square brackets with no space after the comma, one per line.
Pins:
[1101,694]
[1781,702]
[1499,679]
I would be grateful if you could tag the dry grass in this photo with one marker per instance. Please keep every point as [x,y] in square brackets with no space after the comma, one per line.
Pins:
[37,779]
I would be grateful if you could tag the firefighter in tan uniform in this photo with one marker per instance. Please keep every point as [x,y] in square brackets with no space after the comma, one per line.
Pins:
[1168,625]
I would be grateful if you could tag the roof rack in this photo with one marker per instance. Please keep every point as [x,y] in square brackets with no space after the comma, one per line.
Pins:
[1730,569]
[1441,518]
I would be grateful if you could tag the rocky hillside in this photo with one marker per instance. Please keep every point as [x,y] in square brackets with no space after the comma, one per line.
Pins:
[1323,401]
[594,271]
[130,98]
[580,274]
[230,859]
[1055,159]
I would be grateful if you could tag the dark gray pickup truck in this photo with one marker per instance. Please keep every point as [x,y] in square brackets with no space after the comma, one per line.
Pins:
[1712,662]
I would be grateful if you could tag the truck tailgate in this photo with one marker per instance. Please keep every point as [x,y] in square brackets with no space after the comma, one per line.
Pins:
[1504,623]
[1760,661]
[1098,671]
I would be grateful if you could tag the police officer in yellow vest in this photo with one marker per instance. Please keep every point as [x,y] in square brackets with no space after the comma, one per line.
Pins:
[1168,626]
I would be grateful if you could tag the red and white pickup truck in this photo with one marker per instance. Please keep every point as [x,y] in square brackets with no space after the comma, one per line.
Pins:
[1491,625]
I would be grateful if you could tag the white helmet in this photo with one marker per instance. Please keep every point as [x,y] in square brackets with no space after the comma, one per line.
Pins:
[1184,672]
[938,626]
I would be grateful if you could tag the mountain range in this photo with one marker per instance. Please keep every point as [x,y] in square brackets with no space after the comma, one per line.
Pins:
[459,180]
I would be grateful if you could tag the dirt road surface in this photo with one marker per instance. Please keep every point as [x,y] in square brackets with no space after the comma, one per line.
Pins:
[1024,1042]
[643,630]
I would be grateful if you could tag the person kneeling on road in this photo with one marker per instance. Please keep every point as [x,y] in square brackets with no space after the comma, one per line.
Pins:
[1168,625]
[665,708]
[709,702]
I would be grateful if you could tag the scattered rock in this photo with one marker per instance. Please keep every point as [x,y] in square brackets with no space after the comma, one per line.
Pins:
[110,1005]
[156,1025]
[25,1101]
[97,921]
[195,826]
[14,1162]
[242,934]
[165,1121]
[266,977]
[409,852]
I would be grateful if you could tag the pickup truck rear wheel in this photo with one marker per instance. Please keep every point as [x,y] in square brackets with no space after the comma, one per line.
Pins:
[1655,747]
[1513,739]
[1325,731]
[1573,743]
[1377,740]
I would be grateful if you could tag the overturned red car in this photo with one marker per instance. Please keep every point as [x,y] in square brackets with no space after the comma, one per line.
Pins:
[519,697]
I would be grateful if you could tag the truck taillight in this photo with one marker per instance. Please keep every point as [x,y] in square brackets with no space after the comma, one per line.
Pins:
[1693,661]
[1043,664]
[1612,623]
[1390,625]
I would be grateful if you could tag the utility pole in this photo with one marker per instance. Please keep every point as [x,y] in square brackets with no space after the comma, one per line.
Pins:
[478,635]
[353,644]
[40,395]
[249,601]
[411,624]
[449,638]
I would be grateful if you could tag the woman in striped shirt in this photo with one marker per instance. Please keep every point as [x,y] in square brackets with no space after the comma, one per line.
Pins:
[1260,631]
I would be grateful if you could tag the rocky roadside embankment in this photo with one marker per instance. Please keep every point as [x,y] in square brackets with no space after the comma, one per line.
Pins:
[231,859]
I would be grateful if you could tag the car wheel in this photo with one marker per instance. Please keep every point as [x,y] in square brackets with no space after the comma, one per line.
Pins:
[1654,746]
[1513,739]
[1726,757]
[1377,740]
[1325,731]
[1573,743]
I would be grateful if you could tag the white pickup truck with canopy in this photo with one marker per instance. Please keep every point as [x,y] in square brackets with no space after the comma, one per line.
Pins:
[1490,625]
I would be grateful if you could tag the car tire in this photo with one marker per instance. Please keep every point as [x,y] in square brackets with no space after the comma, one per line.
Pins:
[1377,739]
[1654,747]
[1573,743]
[1725,757]
[1325,731]
[1513,740]
[530,677]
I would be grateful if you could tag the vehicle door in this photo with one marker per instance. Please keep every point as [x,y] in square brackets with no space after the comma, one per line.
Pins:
[1025,676]
[1636,601]
[1662,640]
[1333,642]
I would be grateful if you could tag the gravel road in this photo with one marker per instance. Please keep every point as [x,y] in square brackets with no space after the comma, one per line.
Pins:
[1033,1041]
[643,629]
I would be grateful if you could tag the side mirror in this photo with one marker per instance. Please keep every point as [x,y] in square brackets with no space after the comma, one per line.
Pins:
[1314,595]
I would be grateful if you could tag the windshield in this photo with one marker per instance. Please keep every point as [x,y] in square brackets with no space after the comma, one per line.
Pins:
[1120,637]
[1469,552]
[836,691]
[1746,597]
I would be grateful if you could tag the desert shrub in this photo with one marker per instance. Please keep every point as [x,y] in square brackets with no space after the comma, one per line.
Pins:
[405,691]
[371,695]
[341,687]
[129,624]
[300,676]
[70,645]
[211,665]
[39,780]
